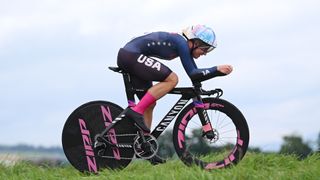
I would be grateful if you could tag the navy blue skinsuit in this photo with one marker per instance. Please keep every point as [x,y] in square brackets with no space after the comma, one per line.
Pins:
[136,58]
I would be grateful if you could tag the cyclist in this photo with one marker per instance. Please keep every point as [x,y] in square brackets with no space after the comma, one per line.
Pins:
[137,58]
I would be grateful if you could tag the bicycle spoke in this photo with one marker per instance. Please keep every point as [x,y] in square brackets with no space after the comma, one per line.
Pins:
[233,137]
[227,131]
[217,120]
[225,125]
[196,122]
[193,129]
[221,122]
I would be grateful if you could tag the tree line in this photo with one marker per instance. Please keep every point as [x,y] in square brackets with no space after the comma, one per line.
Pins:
[23,148]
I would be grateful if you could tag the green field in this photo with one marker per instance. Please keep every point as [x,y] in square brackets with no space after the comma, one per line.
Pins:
[253,166]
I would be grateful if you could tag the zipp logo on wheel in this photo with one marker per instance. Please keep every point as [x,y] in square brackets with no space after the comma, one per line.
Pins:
[112,134]
[91,160]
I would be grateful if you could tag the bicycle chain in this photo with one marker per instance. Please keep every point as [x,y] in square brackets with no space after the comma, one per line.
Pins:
[112,157]
[120,135]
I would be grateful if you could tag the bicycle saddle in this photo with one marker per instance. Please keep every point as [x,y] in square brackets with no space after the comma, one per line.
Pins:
[115,69]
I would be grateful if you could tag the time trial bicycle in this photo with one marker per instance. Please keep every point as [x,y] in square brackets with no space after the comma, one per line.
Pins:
[97,135]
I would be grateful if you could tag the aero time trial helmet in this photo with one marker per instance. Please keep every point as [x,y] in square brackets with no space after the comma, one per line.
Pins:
[203,33]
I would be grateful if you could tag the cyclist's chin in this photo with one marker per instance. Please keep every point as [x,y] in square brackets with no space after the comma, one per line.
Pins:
[196,56]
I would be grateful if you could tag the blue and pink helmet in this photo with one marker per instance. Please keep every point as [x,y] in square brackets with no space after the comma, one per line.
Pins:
[203,33]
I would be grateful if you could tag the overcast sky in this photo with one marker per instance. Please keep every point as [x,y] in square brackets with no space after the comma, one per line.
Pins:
[54,56]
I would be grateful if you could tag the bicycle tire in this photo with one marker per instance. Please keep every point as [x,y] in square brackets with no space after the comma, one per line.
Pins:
[228,150]
[79,132]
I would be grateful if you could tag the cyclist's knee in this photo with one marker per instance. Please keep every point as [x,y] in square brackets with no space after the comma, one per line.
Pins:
[173,79]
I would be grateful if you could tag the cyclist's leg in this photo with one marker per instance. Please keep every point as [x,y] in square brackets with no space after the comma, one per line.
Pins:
[148,120]
[162,88]
[156,92]
[147,103]
[159,90]
[148,115]
[146,69]
[141,84]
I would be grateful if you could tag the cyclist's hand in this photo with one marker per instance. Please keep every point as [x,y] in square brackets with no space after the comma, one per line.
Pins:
[225,69]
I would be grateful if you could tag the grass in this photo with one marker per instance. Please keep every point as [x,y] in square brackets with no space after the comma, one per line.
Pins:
[253,166]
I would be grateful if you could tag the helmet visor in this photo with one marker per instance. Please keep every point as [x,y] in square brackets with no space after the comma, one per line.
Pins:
[206,49]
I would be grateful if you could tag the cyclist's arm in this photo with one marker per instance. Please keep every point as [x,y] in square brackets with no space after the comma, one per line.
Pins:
[195,73]
[198,75]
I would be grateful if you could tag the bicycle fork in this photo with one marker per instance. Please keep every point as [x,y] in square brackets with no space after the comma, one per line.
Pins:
[207,128]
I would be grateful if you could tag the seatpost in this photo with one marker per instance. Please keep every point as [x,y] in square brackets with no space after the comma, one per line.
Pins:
[129,89]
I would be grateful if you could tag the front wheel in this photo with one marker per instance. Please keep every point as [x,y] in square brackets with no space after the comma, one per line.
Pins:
[231,135]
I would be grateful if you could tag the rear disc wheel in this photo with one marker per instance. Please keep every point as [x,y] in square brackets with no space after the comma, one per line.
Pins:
[84,124]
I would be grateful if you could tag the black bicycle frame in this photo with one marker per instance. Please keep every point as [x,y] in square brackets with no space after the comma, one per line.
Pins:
[187,93]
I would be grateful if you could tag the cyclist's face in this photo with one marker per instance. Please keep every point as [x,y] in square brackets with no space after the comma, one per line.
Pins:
[200,50]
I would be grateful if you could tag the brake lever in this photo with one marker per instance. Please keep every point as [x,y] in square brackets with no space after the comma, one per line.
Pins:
[218,92]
